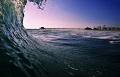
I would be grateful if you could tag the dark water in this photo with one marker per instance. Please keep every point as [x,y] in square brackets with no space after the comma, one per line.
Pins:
[54,53]
[81,53]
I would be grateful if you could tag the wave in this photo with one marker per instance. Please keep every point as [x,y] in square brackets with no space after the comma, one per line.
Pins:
[20,54]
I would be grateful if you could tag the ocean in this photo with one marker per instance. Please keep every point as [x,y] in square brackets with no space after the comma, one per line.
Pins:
[81,53]
[54,52]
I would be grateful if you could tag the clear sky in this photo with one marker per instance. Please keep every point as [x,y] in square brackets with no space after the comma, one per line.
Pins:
[73,14]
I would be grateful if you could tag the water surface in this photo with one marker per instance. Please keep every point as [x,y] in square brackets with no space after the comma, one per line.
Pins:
[82,53]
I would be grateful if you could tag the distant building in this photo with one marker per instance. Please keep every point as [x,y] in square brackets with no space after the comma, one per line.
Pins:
[95,28]
[105,28]
[88,28]
[42,28]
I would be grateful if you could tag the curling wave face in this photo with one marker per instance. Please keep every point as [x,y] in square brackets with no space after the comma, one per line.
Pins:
[18,50]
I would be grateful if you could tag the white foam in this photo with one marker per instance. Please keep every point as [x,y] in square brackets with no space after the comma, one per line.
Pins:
[87,36]
[103,37]
[114,42]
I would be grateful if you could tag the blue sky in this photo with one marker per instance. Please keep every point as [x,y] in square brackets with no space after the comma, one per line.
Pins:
[73,14]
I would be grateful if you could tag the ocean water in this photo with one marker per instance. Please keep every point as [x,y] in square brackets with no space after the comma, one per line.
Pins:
[54,53]
[82,53]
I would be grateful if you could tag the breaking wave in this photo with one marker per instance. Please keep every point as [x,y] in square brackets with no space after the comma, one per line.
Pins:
[20,54]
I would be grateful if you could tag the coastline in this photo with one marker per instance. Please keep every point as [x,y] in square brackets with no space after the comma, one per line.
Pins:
[70,29]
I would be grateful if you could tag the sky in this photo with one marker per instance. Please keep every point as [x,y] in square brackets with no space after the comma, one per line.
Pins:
[72,14]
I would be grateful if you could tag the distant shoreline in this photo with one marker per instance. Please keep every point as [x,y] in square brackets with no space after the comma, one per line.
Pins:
[72,29]
[63,28]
